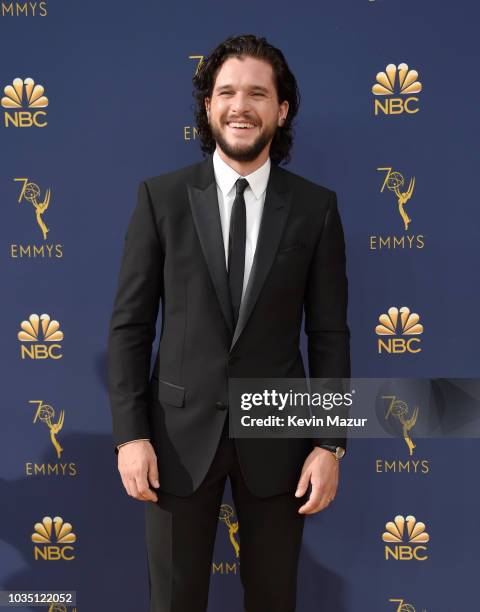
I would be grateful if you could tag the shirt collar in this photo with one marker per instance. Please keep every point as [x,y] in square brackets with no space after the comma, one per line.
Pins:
[226,176]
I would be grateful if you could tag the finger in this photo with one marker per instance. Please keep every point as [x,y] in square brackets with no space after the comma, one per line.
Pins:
[125,484]
[132,485]
[324,502]
[153,473]
[303,483]
[144,491]
[313,500]
[307,508]
[312,507]
[149,496]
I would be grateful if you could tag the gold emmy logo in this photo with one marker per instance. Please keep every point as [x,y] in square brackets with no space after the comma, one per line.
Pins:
[24,9]
[30,192]
[59,608]
[55,537]
[408,537]
[190,132]
[226,513]
[46,414]
[409,326]
[394,182]
[399,410]
[397,79]
[199,59]
[24,94]
[403,606]
[225,516]
[31,333]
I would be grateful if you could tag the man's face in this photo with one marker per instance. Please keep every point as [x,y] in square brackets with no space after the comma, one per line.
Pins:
[244,92]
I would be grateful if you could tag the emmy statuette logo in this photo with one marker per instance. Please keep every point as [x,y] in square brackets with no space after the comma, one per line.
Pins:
[30,192]
[190,132]
[396,80]
[399,410]
[45,420]
[31,197]
[24,94]
[46,414]
[225,567]
[405,539]
[399,417]
[403,606]
[395,183]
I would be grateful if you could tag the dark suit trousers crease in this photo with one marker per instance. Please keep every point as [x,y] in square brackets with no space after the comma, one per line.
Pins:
[181,532]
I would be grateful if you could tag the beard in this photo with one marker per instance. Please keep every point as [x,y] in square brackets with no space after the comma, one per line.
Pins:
[243,152]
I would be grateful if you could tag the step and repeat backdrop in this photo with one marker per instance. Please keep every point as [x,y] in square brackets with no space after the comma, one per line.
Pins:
[97,96]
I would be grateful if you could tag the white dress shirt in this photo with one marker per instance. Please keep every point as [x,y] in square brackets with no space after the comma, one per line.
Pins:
[254,196]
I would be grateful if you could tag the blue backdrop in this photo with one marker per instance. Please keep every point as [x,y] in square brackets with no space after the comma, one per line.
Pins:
[117,76]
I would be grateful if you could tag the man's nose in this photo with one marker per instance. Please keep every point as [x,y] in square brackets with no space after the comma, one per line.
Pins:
[239,103]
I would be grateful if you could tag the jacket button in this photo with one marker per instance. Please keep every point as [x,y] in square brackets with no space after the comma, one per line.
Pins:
[221,406]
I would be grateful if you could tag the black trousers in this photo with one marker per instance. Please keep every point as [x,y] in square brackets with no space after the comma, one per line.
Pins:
[181,532]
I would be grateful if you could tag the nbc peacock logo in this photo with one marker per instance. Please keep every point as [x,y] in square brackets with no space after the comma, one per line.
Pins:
[53,540]
[40,337]
[399,322]
[28,96]
[405,539]
[394,80]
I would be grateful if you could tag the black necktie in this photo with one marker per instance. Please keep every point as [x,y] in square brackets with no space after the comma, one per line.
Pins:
[236,247]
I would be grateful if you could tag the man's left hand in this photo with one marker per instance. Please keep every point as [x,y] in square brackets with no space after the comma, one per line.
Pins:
[321,469]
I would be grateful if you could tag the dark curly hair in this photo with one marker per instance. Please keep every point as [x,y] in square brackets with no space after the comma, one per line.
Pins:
[285,82]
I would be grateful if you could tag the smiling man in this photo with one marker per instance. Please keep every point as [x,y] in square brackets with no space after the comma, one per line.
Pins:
[234,249]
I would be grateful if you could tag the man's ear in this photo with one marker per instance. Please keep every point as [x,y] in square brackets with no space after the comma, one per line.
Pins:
[284,118]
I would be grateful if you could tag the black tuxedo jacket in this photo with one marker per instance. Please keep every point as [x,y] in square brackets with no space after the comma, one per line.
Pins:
[174,256]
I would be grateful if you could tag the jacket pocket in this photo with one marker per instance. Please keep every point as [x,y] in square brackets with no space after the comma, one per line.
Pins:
[170,393]
[292,247]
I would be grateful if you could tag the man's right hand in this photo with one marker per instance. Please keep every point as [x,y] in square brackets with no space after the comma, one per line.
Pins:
[137,464]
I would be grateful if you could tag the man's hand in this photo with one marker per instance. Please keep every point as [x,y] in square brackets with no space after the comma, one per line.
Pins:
[137,464]
[322,470]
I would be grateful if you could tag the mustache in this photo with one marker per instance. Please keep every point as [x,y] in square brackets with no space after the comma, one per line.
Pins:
[244,120]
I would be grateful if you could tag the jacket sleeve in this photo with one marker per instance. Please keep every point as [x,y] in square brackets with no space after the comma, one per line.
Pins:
[326,309]
[133,321]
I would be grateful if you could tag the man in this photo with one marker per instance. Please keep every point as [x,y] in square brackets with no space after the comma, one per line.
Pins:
[233,248]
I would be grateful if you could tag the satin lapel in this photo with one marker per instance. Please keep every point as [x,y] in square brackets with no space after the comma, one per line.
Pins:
[275,213]
[202,194]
